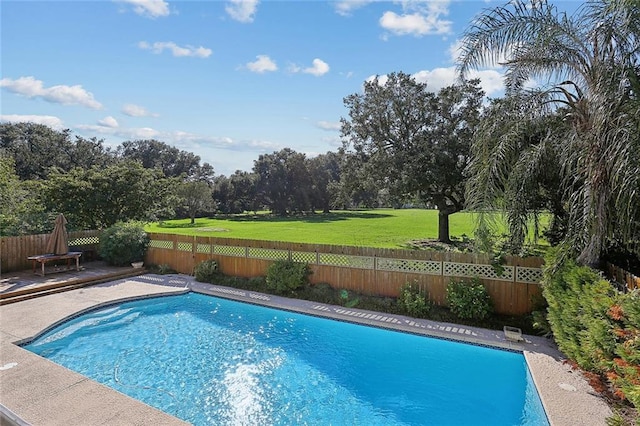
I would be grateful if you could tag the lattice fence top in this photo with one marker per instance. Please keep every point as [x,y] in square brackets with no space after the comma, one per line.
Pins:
[161,244]
[268,254]
[230,251]
[304,256]
[360,262]
[84,241]
[185,246]
[404,265]
[429,267]
[452,269]
[529,275]
[203,248]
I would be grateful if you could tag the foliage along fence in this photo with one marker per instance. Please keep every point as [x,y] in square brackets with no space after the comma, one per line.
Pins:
[15,250]
[365,270]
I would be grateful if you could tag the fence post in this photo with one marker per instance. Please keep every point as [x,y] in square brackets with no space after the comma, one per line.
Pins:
[194,251]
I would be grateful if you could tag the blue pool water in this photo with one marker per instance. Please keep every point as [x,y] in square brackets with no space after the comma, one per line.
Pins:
[213,361]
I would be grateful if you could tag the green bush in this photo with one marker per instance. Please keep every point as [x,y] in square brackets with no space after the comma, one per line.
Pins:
[469,300]
[347,300]
[595,325]
[257,283]
[324,293]
[412,301]
[207,271]
[124,243]
[285,276]
[163,269]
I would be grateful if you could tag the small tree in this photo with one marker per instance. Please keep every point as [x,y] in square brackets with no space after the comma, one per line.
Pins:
[207,271]
[413,301]
[124,243]
[285,276]
[196,197]
[469,300]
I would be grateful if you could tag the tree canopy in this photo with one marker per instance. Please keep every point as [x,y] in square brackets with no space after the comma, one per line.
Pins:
[35,148]
[413,141]
[172,161]
[98,197]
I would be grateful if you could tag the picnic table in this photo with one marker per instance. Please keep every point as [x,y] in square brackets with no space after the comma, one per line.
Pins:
[45,258]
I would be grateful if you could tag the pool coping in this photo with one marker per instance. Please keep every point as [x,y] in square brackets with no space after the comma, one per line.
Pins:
[566,396]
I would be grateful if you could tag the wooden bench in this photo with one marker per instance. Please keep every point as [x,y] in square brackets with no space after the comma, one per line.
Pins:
[44,258]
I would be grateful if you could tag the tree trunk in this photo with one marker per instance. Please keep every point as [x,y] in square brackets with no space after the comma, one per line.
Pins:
[443,226]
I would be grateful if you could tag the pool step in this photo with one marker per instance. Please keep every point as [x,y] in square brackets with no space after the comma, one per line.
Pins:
[73,284]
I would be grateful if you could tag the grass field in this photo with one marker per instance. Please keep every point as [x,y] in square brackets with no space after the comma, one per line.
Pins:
[387,228]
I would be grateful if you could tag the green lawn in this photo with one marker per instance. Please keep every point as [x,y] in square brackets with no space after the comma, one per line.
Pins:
[371,228]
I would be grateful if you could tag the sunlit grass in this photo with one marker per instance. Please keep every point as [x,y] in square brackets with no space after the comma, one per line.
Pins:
[386,228]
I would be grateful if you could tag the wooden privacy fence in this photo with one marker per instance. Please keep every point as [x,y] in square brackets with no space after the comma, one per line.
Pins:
[15,250]
[622,277]
[365,270]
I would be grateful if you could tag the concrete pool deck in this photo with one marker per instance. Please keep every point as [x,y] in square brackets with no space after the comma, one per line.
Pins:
[36,391]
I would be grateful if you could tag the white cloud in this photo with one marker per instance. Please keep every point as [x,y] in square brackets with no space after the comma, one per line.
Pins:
[225,153]
[415,24]
[122,132]
[108,122]
[177,51]
[137,111]
[242,10]
[262,64]
[149,8]
[345,7]
[65,95]
[437,78]
[382,79]
[334,141]
[454,50]
[491,81]
[318,68]
[326,125]
[418,18]
[47,120]
[186,140]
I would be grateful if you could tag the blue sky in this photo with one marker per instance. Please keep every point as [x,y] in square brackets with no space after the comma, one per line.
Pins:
[226,80]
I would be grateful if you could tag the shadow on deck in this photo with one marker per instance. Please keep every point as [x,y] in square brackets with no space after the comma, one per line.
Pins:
[23,285]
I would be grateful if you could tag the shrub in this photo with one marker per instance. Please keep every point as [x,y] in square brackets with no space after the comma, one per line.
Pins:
[413,301]
[163,269]
[124,243]
[324,293]
[207,271]
[285,276]
[469,300]
[595,325]
[257,283]
[346,300]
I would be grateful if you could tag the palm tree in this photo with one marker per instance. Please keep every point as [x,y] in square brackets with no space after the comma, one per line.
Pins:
[589,64]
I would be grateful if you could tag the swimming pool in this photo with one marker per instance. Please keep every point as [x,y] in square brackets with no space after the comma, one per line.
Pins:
[213,361]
